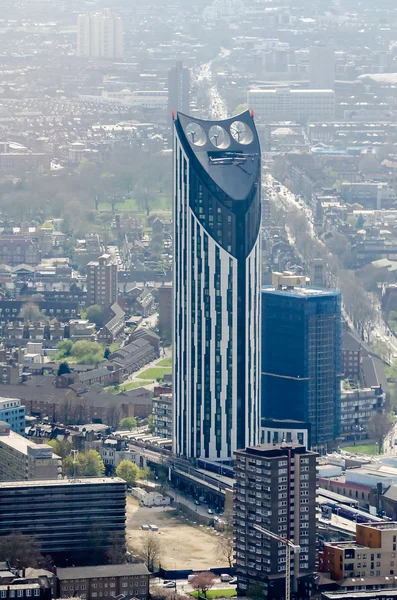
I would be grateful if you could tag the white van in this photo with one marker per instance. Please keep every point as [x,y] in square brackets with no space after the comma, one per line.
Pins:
[226,577]
[190,578]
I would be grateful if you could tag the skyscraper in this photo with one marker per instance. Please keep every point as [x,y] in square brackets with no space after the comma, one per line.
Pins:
[217,271]
[275,489]
[178,88]
[301,355]
[100,35]
[321,67]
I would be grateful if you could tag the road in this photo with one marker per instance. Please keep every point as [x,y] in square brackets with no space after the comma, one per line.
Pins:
[218,108]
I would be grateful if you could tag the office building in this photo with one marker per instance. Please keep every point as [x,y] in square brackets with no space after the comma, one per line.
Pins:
[217,273]
[13,413]
[104,581]
[165,312]
[301,356]
[22,459]
[276,489]
[322,67]
[100,35]
[102,281]
[372,554]
[67,516]
[178,88]
[285,104]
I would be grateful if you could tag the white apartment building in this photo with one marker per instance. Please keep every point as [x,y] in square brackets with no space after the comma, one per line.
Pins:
[100,35]
[286,104]
[13,412]
[21,459]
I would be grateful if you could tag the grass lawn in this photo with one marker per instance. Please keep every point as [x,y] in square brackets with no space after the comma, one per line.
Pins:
[227,592]
[155,373]
[132,385]
[362,449]
[166,362]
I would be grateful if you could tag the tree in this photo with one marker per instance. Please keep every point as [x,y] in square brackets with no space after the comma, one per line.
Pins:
[20,550]
[61,448]
[150,423]
[128,471]
[86,464]
[128,423]
[106,354]
[378,428]
[255,591]
[360,221]
[151,549]
[63,369]
[64,349]
[226,546]
[202,582]
[30,313]
[116,553]
[87,353]
[96,314]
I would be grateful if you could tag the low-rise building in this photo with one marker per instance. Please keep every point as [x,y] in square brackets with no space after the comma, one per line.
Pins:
[13,412]
[21,459]
[105,582]
[357,409]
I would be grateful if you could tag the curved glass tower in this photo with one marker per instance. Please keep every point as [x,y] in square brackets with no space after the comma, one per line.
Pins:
[217,270]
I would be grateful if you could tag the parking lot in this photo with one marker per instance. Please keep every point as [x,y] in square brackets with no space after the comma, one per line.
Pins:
[186,545]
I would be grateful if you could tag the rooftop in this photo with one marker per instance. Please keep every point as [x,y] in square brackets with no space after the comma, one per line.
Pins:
[102,571]
[61,482]
[22,445]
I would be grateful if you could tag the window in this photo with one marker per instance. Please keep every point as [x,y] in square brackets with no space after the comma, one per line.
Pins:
[37,592]
[20,593]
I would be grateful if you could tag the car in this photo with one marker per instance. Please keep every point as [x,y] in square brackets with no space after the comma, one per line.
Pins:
[210,511]
[233,581]
[170,584]
[197,503]
[226,577]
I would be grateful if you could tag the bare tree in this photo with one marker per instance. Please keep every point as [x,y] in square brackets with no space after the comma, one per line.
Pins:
[378,428]
[151,549]
[225,546]
[20,550]
[202,582]
[116,553]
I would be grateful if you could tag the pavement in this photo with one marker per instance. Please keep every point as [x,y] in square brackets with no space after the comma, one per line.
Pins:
[182,585]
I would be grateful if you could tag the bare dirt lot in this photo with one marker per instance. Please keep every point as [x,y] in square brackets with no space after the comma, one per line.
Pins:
[184,545]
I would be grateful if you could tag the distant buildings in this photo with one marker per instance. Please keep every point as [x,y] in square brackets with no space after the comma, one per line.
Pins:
[100,35]
[13,412]
[102,281]
[358,406]
[178,89]
[22,459]
[301,356]
[68,517]
[322,67]
[217,273]
[104,581]
[276,489]
[285,104]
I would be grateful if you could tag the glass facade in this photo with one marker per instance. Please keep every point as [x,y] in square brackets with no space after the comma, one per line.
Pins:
[301,359]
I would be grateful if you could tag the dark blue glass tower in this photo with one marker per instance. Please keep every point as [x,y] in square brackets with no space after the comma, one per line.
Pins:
[301,358]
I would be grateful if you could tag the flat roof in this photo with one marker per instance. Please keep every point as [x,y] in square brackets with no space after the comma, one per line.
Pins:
[102,571]
[22,444]
[61,482]
[288,90]
[301,292]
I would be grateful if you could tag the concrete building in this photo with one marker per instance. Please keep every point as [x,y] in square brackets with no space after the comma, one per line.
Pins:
[22,459]
[321,67]
[216,287]
[165,312]
[276,431]
[276,489]
[351,356]
[372,554]
[301,355]
[69,517]
[285,104]
[100,35]
[178,89]
[13,412]
[102,281]
[162,415]
[104,581]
